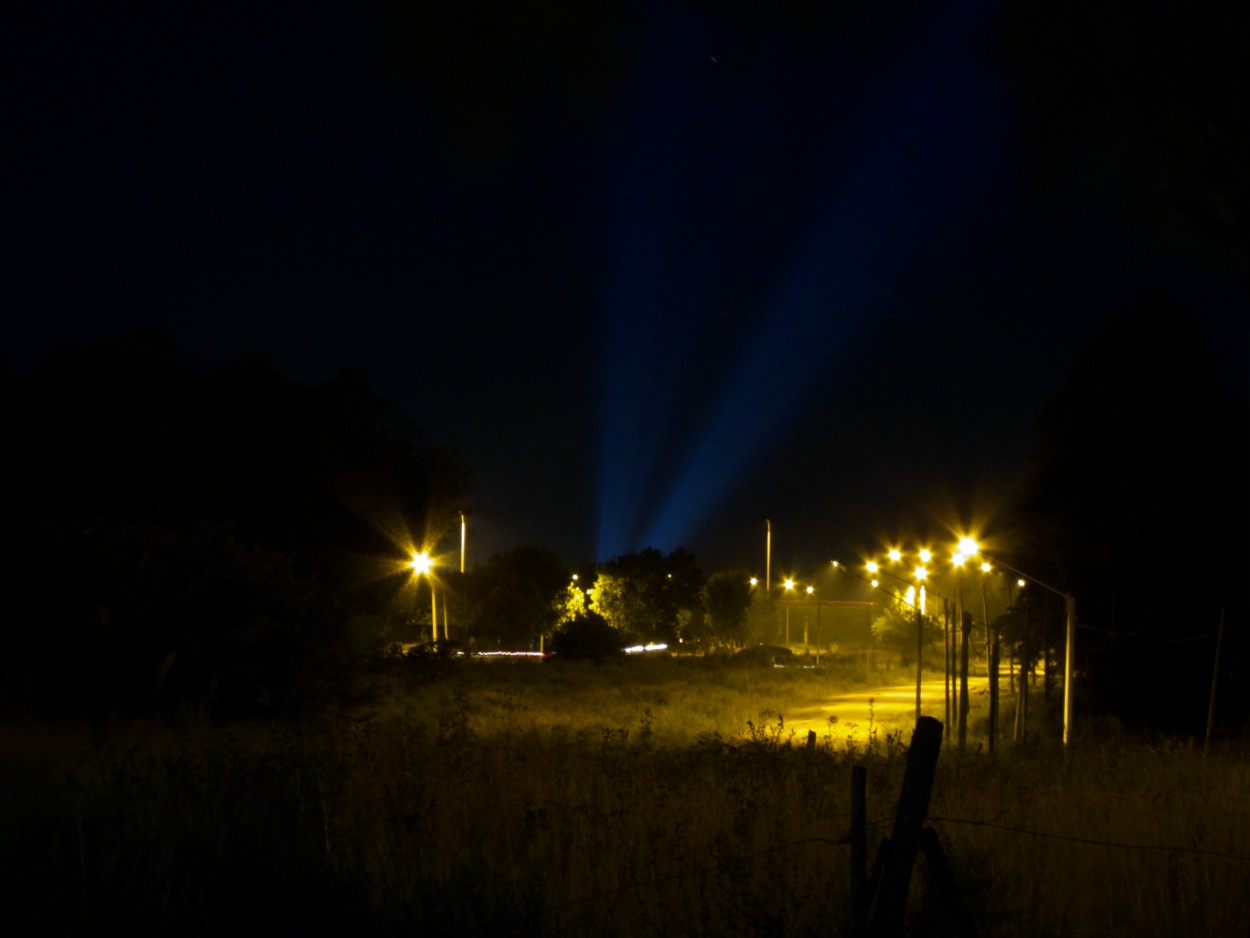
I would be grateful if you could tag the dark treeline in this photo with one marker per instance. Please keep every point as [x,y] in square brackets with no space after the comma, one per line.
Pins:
[1139,504]
[176,536]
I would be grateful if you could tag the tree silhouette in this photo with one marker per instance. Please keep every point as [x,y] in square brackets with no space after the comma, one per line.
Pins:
[517,596]
[1139,499]
[201,535]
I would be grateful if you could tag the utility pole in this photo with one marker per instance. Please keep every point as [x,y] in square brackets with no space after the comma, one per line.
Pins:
[919,646]
[965,629]
[991,636]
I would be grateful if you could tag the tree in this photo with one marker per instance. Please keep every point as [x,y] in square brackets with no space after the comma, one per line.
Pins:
[1141,467]
[224,522]
[727,597]
[642,594]
[895,628]
[619,602]
[587,636]
[518,596]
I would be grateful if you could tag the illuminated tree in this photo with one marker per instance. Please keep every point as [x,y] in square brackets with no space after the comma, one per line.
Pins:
[618,601]
[642,594]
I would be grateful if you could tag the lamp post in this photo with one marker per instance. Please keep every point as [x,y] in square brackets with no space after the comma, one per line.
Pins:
[789,585]
[423,563]
[919,576]
[1069,606]
[810,590]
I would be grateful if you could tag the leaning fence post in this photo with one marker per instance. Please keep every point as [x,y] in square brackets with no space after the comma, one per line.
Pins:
[859,851]
[913,806]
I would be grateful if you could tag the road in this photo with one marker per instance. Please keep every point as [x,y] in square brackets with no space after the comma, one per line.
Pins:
[885,709]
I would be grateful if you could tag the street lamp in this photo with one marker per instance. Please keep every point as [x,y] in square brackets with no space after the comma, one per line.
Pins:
[919,575]
[1069,605]
[810,591]
[789,585]
[423,563]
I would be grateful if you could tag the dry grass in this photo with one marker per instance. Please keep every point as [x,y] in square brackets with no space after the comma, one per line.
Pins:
[615,801]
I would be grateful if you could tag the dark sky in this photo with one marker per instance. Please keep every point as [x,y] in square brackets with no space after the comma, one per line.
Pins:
[660,271]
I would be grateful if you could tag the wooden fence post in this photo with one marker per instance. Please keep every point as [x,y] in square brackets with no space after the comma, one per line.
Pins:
[859,851]
[913,806]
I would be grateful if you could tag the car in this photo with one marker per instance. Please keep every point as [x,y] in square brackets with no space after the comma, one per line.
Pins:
[765,656]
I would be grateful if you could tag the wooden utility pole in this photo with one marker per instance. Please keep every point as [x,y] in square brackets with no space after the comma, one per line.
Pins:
[965,623]
[991,636]
[919,648]
[948,666]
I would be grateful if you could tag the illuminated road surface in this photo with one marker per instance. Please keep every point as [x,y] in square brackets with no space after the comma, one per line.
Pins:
[885,709]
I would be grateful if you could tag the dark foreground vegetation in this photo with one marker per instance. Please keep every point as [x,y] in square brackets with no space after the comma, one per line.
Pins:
[566,799]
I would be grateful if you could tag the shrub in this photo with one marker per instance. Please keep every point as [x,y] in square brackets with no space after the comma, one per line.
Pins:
[587,636]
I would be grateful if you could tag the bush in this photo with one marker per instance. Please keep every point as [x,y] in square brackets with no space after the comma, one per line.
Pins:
[589,637]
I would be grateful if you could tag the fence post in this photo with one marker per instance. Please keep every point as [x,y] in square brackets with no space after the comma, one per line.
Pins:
[913,807]
[859,851]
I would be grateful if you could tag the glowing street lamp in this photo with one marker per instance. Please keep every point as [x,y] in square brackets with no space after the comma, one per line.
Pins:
[423,563]
[917,590]
[789,586]
[1069,603]
[810,591]
[965,550]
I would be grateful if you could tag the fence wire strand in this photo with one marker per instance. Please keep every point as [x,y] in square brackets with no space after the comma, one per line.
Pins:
[1163,848]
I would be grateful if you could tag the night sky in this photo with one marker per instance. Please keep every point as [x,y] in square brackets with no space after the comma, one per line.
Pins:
[660,271]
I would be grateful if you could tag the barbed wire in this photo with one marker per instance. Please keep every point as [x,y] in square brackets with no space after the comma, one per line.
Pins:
[1089,840]
[719,867]
[871,827]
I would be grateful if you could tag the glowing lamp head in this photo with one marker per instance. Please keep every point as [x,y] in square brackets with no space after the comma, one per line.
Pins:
[872,566]
[810,590]
[969,547]
[986,567]
[895,554]
[422,562]
[959,560]
[788,584]
[926,555]
[921,573]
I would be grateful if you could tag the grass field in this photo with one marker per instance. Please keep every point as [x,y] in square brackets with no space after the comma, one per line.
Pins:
[655,797]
